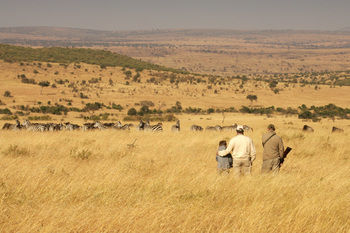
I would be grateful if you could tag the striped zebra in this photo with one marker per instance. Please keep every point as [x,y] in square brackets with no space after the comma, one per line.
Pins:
[229,127]
[99,126]
[157,128]
[196,128]
[70,127]
[176,127]
[88,126]
[35,127]
[120,126]
[145,126]
[247,128]
[8,126]
[213,128]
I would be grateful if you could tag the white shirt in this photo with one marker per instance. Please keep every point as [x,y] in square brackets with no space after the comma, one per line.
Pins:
[241,147]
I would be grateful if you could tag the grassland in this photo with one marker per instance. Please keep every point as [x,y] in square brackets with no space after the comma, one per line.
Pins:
[96,182]
[93,182]
[224,52]
[77,84]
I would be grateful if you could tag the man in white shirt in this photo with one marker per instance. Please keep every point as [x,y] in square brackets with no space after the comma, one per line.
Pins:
[243,152]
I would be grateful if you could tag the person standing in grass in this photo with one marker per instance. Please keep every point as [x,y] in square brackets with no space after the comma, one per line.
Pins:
[224,162]
[243,152]
[273,150]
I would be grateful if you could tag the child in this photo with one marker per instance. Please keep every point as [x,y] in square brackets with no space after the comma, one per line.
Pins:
[224,162]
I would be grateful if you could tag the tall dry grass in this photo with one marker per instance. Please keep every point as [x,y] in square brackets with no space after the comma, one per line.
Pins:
[93,182]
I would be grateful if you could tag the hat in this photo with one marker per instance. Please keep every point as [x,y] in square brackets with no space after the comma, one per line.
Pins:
[271,126]
[240,128]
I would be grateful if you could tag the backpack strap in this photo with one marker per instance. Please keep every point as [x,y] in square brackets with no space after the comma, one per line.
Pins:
[268,140]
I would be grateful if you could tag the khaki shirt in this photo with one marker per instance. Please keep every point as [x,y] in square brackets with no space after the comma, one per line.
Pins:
[273,146]
[241,147]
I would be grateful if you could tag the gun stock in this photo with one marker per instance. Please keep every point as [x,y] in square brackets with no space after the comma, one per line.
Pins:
[285,153]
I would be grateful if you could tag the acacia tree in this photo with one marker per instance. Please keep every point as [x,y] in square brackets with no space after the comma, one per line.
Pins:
[43,84]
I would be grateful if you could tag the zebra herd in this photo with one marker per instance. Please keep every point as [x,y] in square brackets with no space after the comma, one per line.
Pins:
[220,128]
[142,126]
[42,127]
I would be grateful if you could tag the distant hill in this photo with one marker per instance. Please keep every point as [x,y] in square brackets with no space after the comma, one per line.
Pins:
[60,33]
[103,58]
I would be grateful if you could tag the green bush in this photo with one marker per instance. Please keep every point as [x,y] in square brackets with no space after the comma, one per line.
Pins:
[132,112]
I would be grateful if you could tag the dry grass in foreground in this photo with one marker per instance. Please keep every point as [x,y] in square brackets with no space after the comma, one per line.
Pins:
[92,182]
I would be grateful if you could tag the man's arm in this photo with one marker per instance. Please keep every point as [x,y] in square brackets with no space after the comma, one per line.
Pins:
[281,148]
[228,149]
[252,151]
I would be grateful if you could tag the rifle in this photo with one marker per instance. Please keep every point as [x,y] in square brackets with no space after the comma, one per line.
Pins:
[285,153]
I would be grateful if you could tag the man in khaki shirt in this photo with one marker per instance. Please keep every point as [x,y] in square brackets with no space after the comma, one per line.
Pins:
[273,150]
[243,152]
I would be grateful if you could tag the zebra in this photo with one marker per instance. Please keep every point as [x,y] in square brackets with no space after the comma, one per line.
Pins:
[8,126]
[196,128]
[99,126]
[176,127]
[145,126]
[213,128]
[120,126]
[35,127]
[247,128]
[156,128]
[108,125]
[70,127]
[88,126]
[229,127]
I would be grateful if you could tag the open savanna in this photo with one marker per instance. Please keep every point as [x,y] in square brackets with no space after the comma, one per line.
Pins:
[224,52]
[75,85]
[94,182]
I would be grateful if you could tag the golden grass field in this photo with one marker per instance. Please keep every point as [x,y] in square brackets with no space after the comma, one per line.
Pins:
[92,181]
[95,182]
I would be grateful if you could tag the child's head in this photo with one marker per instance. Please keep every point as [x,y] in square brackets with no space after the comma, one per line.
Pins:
[222,143]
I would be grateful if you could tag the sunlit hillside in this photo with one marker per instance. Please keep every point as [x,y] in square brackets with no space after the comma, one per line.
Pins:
[26,86]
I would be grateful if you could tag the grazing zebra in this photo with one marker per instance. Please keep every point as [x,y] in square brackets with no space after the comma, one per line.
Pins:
[229,127]
[196,128]
[176,127]
[99,126]
[8,126]
[88,126]
[70,127]
[35,127]
[108,125]
[120,126]
[213,128]
[145,126]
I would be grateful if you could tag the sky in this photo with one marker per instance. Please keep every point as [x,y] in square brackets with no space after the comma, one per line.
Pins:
[177,14]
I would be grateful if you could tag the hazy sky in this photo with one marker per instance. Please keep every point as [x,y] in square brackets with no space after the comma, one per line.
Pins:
[166,14]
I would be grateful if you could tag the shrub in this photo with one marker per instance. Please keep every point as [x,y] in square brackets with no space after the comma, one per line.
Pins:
[93,106]
[252,98]
[117,107]
[132,112]
[5,111]
[83,96]
[7,94]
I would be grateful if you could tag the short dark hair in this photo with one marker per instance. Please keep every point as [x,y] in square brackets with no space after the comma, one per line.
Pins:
[223,143]
[271,126]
